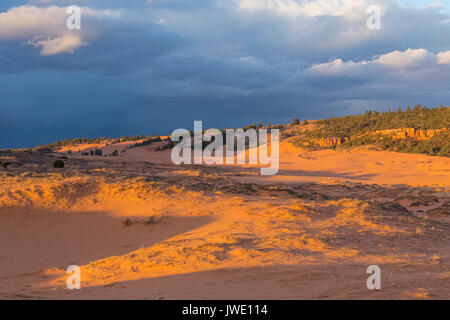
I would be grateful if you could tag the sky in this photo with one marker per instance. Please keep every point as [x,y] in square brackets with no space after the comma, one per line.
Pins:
[151,66]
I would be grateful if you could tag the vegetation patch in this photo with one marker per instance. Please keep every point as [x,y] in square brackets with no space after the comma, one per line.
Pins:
[58,164]
[417,130]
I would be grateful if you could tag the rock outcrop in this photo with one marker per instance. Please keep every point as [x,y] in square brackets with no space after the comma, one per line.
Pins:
[416,134]
[397,134]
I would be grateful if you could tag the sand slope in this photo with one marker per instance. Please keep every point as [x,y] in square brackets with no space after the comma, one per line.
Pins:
[151,230]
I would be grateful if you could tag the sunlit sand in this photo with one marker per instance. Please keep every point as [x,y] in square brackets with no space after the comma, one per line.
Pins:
[141,227]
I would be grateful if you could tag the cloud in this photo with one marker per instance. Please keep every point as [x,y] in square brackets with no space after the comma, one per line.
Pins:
[308,30]
[26,21]
[396,61]
[444,57]
[108,43]
[314,8]
[51,46]
[46,27]
[407,59]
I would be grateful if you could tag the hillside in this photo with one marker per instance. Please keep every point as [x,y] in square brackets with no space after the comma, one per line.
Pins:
[418,130]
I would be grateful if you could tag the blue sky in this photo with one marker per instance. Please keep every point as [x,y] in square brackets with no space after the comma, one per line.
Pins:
[150,66]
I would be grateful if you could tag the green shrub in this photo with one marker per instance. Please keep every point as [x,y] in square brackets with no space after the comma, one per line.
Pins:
[58,164]
[295,121]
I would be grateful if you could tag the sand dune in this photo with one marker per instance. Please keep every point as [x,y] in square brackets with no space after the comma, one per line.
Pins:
[361,165]
[140,227]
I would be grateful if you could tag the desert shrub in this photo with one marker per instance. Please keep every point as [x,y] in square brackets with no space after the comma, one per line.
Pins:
[58,164]
[4,164]
[295,121]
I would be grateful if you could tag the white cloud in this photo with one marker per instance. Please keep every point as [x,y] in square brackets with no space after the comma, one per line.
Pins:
[25,21]
[444,57]
[68,43]
[312,8]
[337,66]
[396,61]
[407,59]
[46,27]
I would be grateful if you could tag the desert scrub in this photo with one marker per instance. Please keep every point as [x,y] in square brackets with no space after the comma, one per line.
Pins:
[364,129]
[5,164]
[58,164]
